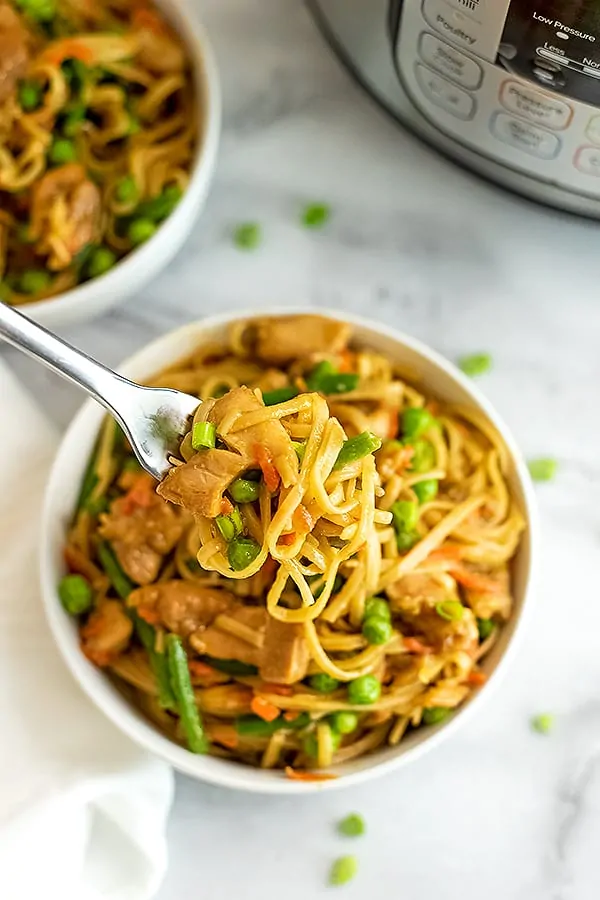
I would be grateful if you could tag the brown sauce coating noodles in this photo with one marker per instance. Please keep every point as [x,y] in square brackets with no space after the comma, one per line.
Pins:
[98,125]
[376,582]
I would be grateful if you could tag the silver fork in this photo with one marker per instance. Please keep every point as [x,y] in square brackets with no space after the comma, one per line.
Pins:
[153,419]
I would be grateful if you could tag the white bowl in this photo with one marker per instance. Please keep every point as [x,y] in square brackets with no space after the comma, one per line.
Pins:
[436,375]
[141,265]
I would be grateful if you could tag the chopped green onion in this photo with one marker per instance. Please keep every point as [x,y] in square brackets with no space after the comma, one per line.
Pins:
[475,364]
[543,469]
[405,515]
[254,726]
[377,630]
[424,456]
[33,281]
[343,870]
[40,10]
[450,610]
[364,690]
[230,526]
[406,540]
[117,577]
[30,95]
[140,230]
[241,552]
[435,714]
[247,236]
[62,151]
[270,398]
[75,594]
[426,490]
[344,722]
[416,421]
[300,448]
[321,370]
[543,723]
[485,628]
[244,491]
[326,380]
[356,448]
[126,190]
[100,261]
[315,215]
[323,683]
[352,826]
[204,435]
[184,693]
[377,606]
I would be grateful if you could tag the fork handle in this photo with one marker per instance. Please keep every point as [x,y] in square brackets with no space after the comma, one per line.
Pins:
[102,383]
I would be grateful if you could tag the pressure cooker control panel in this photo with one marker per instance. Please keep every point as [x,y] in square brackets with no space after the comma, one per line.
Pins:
[510,78]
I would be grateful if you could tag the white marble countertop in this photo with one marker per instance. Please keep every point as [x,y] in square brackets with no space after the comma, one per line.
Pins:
[498,811]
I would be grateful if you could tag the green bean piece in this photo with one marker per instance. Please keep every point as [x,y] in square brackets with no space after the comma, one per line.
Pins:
[325,379]
[243,490]
[184,693]
[75,594]
[158,662]
[230,526]
[254,726]
[88,482]
[281,395]
[241,552]
[356,448]
[117,577]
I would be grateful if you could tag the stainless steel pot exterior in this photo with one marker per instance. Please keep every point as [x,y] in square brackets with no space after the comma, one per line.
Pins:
[360,32]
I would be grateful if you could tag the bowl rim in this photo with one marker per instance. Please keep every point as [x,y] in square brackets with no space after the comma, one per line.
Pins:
[236,776]
[207,85]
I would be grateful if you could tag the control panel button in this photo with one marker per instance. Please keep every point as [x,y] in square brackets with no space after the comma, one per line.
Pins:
[592,132]
[525,137]
[450,62]
[445,94]
[587,160]
[535,106]
[475,25]
[447,20]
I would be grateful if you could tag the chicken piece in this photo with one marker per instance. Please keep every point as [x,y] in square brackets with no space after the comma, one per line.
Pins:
[280,341]
[271,435]
[493,602]
[65,214]
[214,641]
[14,50]
[158,50]
[415,597]
[285,654]
[142,536]
[411,593]
[181,606]
[198,484]
[227,700]
[106,633]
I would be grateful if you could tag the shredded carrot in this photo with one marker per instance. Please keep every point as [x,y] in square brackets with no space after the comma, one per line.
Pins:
[404,457]
[291,715]
[265,461]
[143,17]
[346,361]
[294,775]
[222,733]
[414,645]
[477,678]
[393,423]
[287,539]
[475,581]
[68,48]
[226,506]
[261,707]
[142,491]
[433,407]
[199,668]
[302,520]
[449,552]
[148,614]
[282,690]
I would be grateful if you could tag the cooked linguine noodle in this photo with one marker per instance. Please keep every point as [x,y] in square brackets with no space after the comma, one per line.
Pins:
[329,555]
[97,132]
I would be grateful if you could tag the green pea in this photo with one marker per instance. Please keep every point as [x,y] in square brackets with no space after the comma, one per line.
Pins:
[364,690]
[435,714]
[426,490]
[405,515]
[62,151]
[126,190]
[75,594]
[352,826]
[310,744]
[344,722]
[140,230]
[244,491]
[73,120]
[485,628]
[241,552]
[416,421]
[33,281]
[323,683]
[40,10]
[377,630]
[406,540]
[315,215]
[377,606]
[101,260]
[343,870]
[424,457]
[30,95]
[247,236]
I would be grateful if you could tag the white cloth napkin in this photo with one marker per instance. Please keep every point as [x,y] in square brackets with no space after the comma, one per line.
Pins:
[82,810]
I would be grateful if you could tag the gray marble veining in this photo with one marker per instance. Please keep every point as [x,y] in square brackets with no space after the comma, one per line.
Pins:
[498,811]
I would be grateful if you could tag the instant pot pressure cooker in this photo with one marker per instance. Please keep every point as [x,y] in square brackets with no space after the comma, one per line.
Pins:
[508,88]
